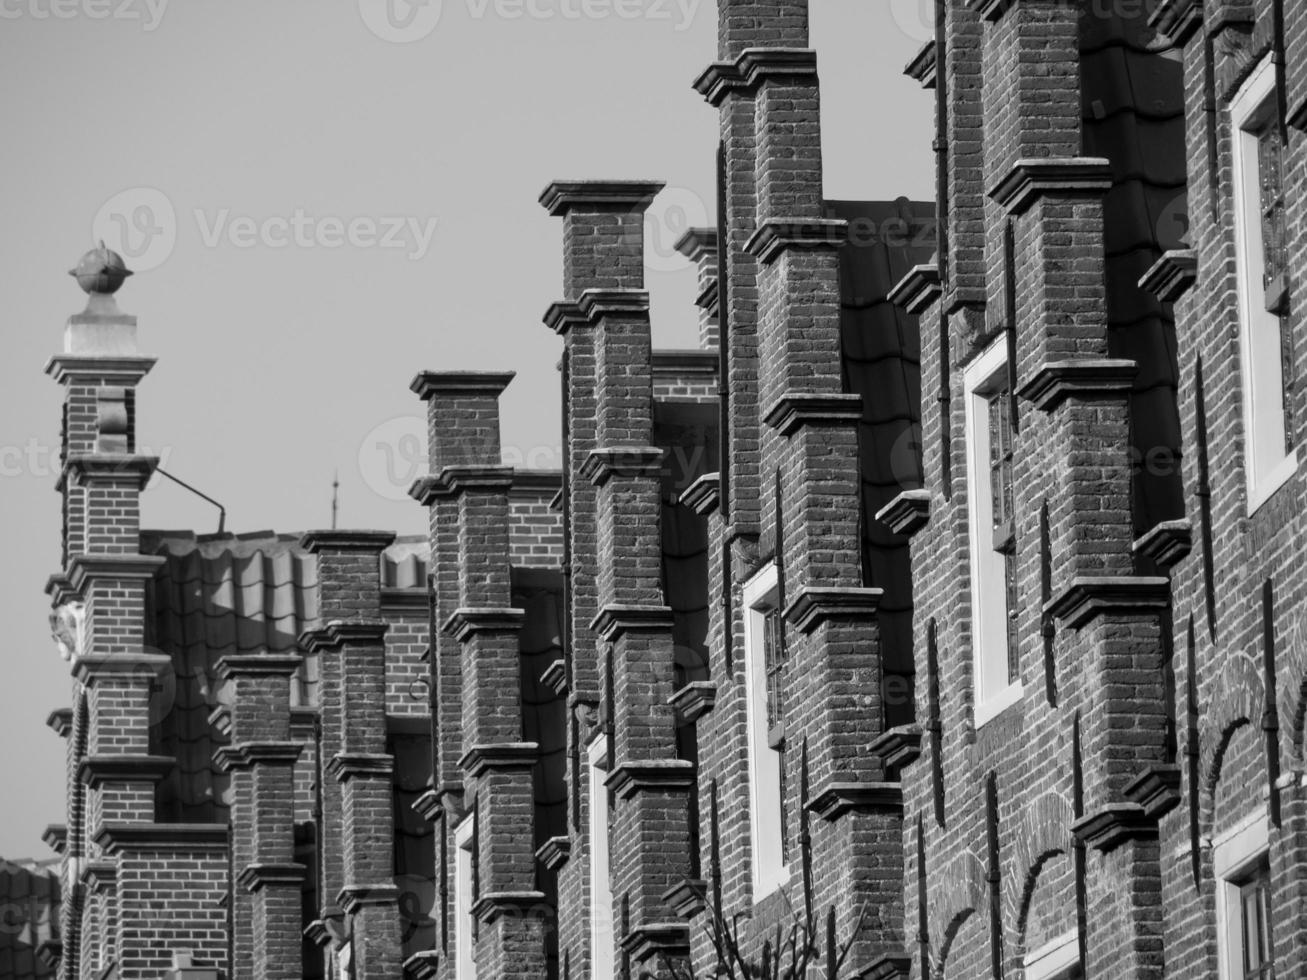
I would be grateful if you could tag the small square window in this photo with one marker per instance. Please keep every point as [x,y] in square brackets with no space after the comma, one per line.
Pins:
[1240,860]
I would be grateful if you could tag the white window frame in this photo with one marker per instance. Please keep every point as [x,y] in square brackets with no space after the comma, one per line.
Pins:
[1235,853]
[1267,466]
[465,964]
[1058,959]
[603,955]
[770,874]
[989,635]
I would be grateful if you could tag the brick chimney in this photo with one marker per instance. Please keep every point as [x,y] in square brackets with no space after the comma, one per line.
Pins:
[357,771]
[113,840]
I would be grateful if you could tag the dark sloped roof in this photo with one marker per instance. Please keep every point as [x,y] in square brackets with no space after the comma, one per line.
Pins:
[29,916]
[881,361]
[1133,112]
[214,596]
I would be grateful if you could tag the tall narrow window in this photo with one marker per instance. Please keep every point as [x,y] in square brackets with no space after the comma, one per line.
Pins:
[1265,354]
[765,677]
[465,967]
[603,961]
[992,513]
[1243,901]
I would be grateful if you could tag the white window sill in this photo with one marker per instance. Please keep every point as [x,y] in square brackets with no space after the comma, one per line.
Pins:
[1056,959]
[994,706]
[1262,489]
[763,890]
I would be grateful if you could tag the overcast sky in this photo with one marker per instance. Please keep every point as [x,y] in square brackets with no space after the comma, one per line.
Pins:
[324,197]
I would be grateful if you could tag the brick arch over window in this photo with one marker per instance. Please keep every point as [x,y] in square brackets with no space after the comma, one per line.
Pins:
[1293,695]
[1214,755]
[961,893]
[1043,835]
[1238,698]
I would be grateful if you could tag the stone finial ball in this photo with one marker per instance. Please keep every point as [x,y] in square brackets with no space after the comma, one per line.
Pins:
[101,270]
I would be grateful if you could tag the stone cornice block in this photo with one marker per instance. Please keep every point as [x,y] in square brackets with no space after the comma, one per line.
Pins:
[1114,825]
[1177,19]
[467,622]
[423,965]
[461,384]
[836,798]
[1056,381]
[595,304]
[922,67]
[60,721]
[116,567]
[814,605]
[1090,596]
[91,468]
[503,757]
[493,905]
[355,897]
[128,371]
[60,589]
[898,748]
[1059,177]
[681,363]
[1166,543]
[486,478]
[259,665]
[328,929]
[688,898]
[55,837]
[626,462]
[596,196]
[163,837]
[142,667]
[918,289]
[431,805]
[1172,275]
[1157,790]
[360,765]
[426,490]
[697,242]
[562,316]
[703,496]
[100,877]
[793,410]
[650,939]
[370,632]
[318,542]
[536,483]
[907,513]
[256,877]
[617,619]
[651,776]
[694,700]
[777,235]
[752,67]
[554,677]
[553,853]
[248,754]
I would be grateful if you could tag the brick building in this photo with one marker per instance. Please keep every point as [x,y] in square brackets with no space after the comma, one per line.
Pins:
[939,616]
